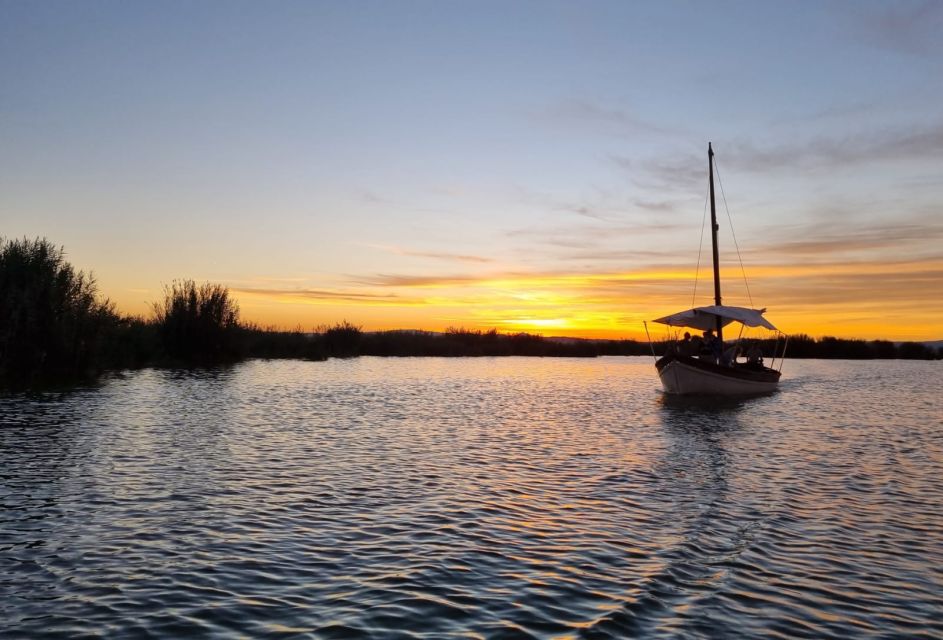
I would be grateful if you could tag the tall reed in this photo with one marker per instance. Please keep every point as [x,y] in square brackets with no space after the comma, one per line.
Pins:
[53,322]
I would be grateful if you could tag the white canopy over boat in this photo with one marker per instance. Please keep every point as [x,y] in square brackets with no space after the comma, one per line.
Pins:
[705,318]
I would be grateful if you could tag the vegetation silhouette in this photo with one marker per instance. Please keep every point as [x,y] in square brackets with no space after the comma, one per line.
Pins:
[342,340]
[272,343]
[198,323]
[53,324]
[56,328]
[461,342]
[831,348]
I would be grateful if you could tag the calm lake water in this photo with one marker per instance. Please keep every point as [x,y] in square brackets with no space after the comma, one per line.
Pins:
[491,498]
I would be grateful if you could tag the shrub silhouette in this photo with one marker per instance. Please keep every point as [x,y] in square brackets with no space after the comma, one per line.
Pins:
[198,323]
[53,324]
[272,343]
[342,340]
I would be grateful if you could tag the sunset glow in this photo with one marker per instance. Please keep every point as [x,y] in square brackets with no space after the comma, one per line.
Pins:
[881,300]
[533,167]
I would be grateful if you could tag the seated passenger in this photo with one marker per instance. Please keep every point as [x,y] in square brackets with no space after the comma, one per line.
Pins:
[707,346]
[696,346]
[713,346]
[755,355]
[684,346]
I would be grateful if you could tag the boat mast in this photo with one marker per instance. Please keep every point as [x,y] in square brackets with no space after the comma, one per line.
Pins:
[714,227]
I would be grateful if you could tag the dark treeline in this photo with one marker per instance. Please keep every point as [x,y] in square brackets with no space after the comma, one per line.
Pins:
[465,342]
[55,327]
[803,346]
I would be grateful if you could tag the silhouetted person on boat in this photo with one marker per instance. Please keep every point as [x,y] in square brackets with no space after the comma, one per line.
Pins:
[705,347]
[729,358]
[686,346]
[695,347]
[754,355]
[713,349]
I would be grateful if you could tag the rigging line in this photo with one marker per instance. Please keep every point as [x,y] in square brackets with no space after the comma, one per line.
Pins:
[733,233]
[700,246]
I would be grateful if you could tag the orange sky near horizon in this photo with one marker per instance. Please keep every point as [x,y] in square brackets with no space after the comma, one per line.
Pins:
[890,300]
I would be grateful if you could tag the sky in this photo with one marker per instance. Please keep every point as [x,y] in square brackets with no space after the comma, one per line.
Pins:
[527,166]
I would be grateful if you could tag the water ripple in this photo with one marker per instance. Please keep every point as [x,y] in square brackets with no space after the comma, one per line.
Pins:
[482,498]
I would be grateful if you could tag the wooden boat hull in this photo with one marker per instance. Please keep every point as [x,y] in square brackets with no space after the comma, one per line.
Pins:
[689,376]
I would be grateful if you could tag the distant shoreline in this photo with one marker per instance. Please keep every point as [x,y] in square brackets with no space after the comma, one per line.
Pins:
[55,327]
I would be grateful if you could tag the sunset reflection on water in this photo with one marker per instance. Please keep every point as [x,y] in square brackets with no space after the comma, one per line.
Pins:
[447,497]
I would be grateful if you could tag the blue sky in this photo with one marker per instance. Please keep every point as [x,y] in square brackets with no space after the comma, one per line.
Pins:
[437,159]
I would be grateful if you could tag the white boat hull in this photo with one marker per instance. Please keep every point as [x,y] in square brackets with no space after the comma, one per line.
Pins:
[683,379]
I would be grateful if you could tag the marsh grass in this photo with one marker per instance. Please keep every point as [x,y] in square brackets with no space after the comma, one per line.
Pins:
[53,322]
[198,323]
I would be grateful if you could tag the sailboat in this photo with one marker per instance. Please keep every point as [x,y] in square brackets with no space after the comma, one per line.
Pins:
[711,367]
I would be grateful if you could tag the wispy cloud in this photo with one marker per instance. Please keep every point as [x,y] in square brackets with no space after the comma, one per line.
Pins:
[868,288]
[586,211]
[894,143]
[687,171]
[405,280]
[600,204]
[612,205]
[833,112]
[447,256]
[624,256]
[905,27]
[434,255]
[324,295]
[623,162]
[683,172]
[384,201]
[371,197]
[660,206]
[610,119]
[589,236]
[841,239]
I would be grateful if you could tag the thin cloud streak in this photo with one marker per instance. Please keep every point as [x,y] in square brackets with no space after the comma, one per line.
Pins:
[904,28]
[917,142]
[446,256]
[854,240]
[834,112]
[326,295]
[394,280]
[686,172]
[611,120]
[572,235]
[585,211]
[910,289]
[434,255]
[660,206]
[626,256]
